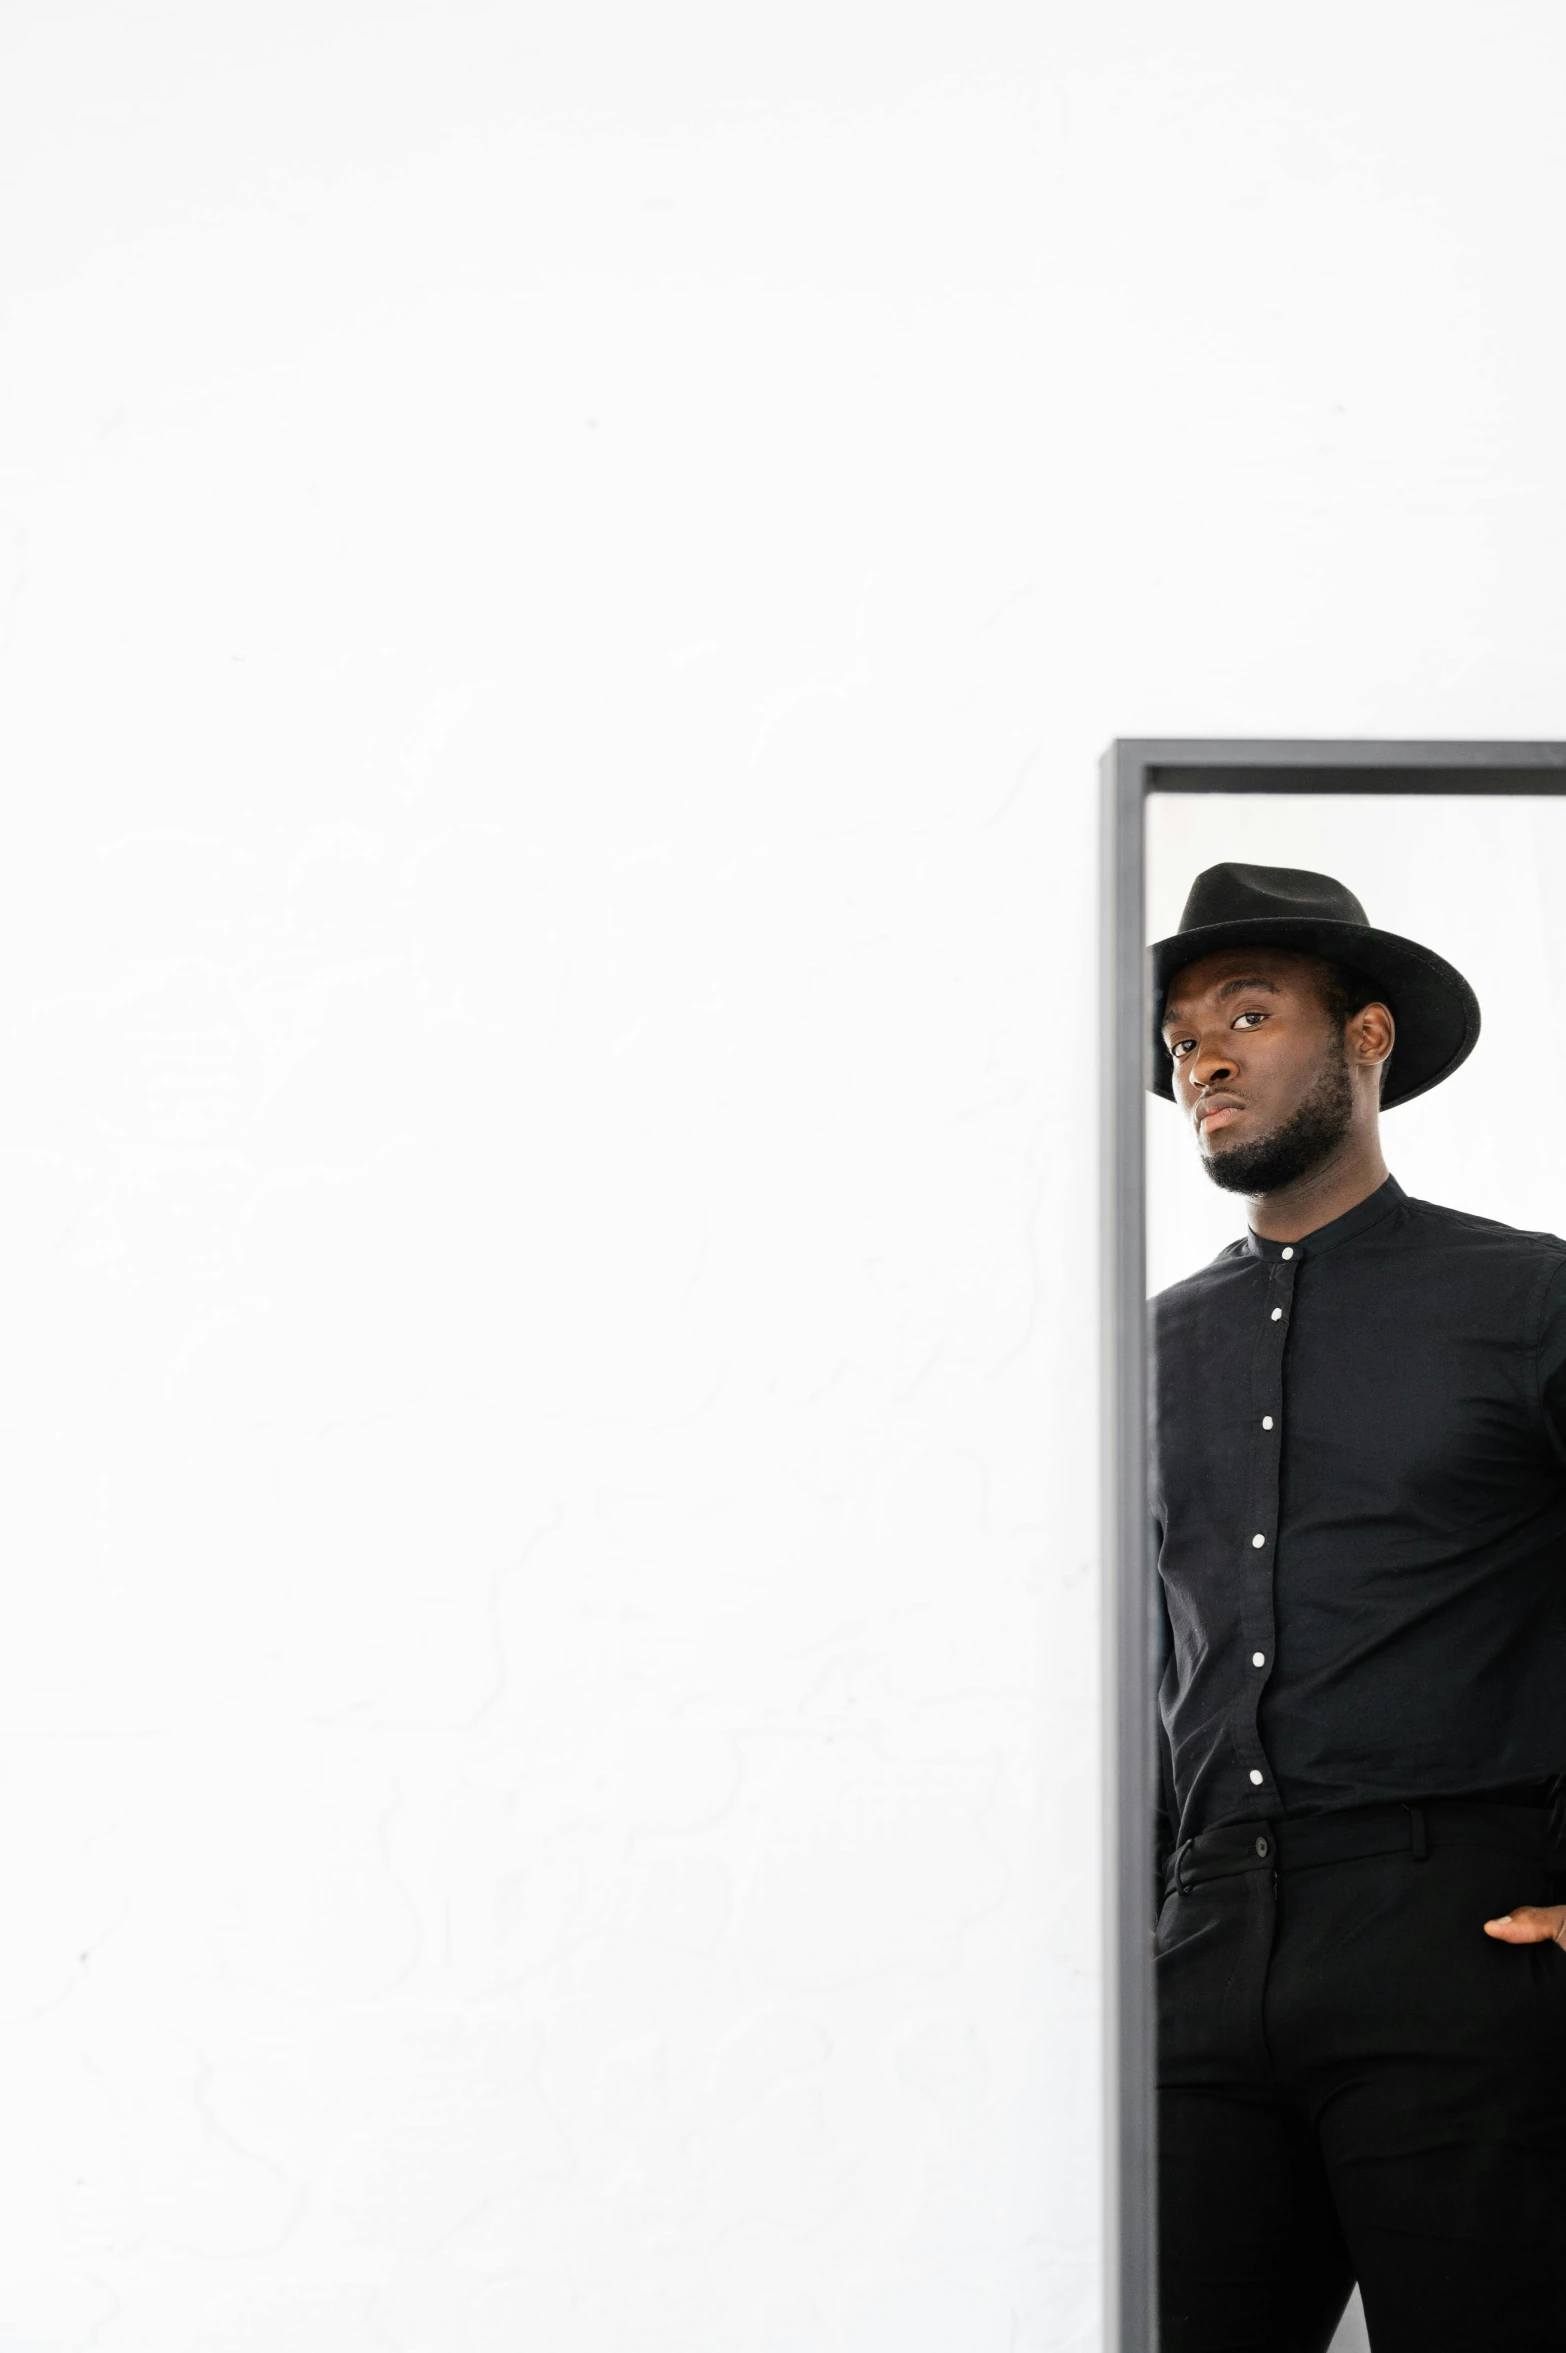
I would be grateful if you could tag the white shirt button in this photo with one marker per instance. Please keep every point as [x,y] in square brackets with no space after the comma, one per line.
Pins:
[1257,1542]
[1258,1658]
[1277,1315]
[1289,1253]
[1256,1777]
[1266,1421]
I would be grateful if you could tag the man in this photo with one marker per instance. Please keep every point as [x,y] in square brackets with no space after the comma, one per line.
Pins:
[1360,1496]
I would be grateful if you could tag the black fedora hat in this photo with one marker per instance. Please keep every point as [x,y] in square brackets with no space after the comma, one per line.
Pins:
[1436,1012]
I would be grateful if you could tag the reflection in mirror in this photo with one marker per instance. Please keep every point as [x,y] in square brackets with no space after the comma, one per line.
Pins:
[1359,1495]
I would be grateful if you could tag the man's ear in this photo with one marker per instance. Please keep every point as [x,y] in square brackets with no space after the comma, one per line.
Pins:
[1372,1033]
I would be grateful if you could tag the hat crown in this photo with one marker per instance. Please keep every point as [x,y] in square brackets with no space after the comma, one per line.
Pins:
[1233,893]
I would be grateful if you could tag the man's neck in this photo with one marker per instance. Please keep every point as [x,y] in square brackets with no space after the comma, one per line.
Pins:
[1315,1199]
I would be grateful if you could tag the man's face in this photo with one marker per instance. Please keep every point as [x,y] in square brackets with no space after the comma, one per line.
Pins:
[1252,1043]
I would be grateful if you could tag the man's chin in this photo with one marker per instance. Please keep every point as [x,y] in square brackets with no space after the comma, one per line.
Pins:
[1291,1148]
[1220,1147]
[1234,1165]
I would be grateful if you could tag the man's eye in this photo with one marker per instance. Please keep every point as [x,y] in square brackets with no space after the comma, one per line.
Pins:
[1239,1017]
[1179,1046]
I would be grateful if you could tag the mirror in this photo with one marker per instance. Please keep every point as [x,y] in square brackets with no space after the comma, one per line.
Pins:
[1357,2078]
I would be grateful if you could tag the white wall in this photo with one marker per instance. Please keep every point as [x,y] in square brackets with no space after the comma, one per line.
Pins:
[565,574]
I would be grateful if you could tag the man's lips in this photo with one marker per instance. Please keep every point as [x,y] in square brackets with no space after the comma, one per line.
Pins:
[1218,1111]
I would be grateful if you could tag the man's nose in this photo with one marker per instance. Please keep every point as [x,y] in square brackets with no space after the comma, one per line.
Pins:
[1210,1066]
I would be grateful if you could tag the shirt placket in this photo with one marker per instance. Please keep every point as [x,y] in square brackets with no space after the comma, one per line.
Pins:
[1258,1568]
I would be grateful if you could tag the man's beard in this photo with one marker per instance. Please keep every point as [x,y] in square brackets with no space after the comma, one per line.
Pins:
[1309,1135]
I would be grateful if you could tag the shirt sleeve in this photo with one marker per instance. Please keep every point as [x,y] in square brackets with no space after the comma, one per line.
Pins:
[1552,1360]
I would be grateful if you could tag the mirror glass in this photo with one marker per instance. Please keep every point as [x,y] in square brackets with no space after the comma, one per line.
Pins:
[1479,881]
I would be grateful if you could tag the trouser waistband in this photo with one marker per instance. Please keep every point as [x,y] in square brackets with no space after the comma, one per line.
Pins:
[1361,1831]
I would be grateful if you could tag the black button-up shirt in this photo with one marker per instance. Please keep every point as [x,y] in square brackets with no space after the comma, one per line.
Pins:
[1359,1488]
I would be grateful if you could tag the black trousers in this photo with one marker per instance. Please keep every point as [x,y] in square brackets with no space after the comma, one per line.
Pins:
[1355,2082]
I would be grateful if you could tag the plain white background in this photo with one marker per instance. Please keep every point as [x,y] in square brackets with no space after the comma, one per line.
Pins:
[565,572]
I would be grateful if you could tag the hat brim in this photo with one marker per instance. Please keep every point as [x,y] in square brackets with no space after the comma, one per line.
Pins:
[1436,1012]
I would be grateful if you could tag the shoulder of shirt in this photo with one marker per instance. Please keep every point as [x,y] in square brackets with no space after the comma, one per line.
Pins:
[1417,1221]
[1232,1255]
[1455,1225]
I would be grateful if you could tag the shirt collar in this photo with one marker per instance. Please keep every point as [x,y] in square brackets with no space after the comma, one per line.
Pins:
[1368,1212]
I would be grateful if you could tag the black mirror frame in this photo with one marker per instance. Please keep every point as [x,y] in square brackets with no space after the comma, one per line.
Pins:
[1130,771]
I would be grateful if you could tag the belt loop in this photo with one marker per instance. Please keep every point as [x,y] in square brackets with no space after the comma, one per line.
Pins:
[1181,1851]
[1416,1818]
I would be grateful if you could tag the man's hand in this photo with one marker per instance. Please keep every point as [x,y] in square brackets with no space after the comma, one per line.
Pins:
[1530,1924]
